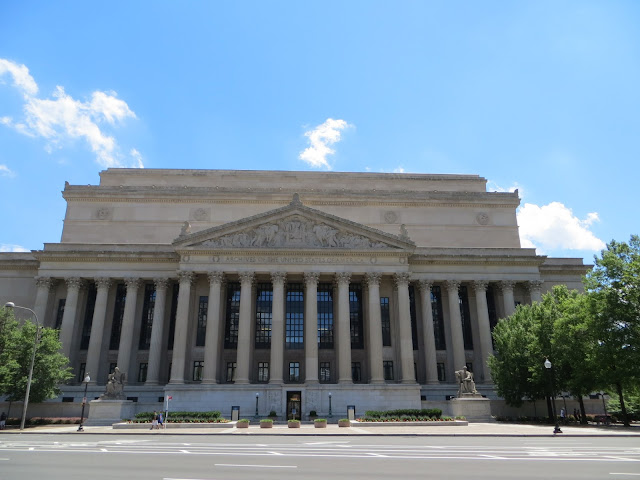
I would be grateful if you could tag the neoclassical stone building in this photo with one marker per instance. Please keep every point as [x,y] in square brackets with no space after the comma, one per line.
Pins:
[285,291]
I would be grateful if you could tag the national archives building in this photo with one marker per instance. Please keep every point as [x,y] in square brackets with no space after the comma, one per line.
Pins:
[281,291]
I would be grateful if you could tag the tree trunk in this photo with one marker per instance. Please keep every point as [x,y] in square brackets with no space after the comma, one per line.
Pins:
[625,417]
[583,413]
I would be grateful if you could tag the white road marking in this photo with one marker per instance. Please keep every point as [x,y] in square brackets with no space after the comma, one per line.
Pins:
[185,451]
[254,466]
[621,458]
[276,453]
[630,474]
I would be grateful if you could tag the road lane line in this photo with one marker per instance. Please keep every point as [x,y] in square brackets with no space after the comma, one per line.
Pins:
[253,466]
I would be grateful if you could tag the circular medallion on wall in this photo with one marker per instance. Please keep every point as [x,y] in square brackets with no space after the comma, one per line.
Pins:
[390,217]
[482,218]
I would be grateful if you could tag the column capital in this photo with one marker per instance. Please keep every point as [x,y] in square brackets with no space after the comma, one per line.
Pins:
[132,282]
[216,276]
[103,282]
[373,278]
[453,285]
[425,285]
[534,285]
[507,285]
[279,278]
[343,278]
[161,283]
[46,282]
[480,285]
[74,282]
[185,277]
[402,279]
[311,277]
[246,277]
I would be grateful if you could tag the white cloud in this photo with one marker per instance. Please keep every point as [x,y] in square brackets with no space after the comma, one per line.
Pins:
[554,226]
[319,139]
[398,170]
[21,77]
[62,118]
[494,187]
[6,171]
[135,154]
[12,248]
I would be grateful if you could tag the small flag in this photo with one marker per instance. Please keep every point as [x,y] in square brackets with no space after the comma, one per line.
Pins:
[169,398]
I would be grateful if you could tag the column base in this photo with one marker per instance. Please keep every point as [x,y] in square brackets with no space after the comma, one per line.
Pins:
[345,382]
[209,382]
[242,381]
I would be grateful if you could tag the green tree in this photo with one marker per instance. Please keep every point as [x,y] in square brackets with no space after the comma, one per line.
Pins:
[50,366]
[614,300]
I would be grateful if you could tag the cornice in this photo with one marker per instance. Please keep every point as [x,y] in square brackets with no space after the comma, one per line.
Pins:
[72,256]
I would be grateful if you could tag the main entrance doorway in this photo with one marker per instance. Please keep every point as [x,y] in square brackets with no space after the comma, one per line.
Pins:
[294,405]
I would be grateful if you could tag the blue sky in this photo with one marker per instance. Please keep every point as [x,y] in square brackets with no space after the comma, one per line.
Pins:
[542,96]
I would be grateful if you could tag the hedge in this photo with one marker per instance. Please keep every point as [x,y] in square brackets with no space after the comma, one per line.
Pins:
[407,412]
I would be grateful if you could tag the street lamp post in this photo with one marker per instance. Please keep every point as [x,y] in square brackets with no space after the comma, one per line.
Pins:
[257,396]
[604,407]
[87,379]
[547,365]
[33,359]
[330,405]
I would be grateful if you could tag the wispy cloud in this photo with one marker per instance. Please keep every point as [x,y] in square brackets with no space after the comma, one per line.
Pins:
[12,248]
[319,140]
[6,171]
[494,187]
[554,226]
[62,118]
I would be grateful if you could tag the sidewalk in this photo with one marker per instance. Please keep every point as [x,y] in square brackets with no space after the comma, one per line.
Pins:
[472,429]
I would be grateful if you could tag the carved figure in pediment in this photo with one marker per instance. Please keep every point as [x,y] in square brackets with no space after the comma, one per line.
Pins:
[264,235]
[326,236]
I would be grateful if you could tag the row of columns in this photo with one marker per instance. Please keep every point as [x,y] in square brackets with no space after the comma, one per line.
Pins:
[278,279]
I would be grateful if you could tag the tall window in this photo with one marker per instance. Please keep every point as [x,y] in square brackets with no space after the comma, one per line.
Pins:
[325,315]
[231,372]
[142,372]
[325,372]
[88,317]
[172,316]
[412,314]
[148,308]
[355,315]
[118,313]
[295,316]
[385,319]
[60,313]
[438,318]
[233,316]
[356,372]
[491,307]
[201,331]
[197,370]
[264,315]
[463,299]
[81,370]
[294,371]
[387,367]
[263,372]
[441,372]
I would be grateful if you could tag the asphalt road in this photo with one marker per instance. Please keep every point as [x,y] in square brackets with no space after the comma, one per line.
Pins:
[167,457]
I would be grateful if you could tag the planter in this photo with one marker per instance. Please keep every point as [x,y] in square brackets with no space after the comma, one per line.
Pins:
[293,424]
[266,424]
[344,422]
[242,424]
[320,423]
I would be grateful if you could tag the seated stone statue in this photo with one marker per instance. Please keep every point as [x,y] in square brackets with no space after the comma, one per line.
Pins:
[115,386]
[466,383]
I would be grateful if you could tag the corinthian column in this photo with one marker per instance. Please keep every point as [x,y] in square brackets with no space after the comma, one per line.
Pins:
[182,328]
[455,322]
[311,327]
[211,340]
[244,329]
[344,329]
[375,329]
[97,328]
[404,322]
[44,285]
[484,328]
[276,360]
[70,312]
[157,331]
[535,290]
[128,320]
[427,333]
[507,297]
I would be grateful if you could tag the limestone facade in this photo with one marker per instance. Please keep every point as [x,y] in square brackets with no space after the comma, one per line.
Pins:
[271,290]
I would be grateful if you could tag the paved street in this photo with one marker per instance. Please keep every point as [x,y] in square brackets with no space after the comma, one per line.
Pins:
[248,454]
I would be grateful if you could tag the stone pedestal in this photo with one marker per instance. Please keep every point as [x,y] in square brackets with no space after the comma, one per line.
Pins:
[475,408]
[108,412]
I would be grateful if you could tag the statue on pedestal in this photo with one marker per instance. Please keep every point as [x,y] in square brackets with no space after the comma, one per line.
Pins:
[466,384]
[115,386]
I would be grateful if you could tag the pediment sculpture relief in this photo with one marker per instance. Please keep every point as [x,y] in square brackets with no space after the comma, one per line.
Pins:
[294,231]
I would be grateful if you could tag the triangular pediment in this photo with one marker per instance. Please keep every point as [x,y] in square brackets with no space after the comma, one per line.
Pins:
[294,226]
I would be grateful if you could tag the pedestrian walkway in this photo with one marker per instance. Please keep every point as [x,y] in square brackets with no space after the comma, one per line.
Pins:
[472,429]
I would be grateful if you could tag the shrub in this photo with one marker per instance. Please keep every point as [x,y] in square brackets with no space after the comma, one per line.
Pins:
[294,421]
[266,420]
[313,413]
[273,413]
[243,420]
[320,420]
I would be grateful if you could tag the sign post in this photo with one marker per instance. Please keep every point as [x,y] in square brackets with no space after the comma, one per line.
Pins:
[166,411]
